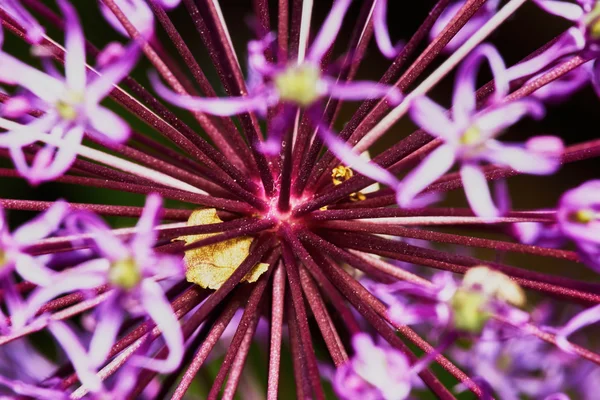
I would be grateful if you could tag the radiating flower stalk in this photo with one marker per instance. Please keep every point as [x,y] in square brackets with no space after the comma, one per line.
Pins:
[286,232]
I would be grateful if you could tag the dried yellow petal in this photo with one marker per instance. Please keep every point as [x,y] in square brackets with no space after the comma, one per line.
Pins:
[210,266]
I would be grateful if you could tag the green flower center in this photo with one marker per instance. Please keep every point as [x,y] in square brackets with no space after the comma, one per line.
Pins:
[469,313]
[68,105]
[299,84]
[583,216]
[592,21]
[471,136]
[125,274]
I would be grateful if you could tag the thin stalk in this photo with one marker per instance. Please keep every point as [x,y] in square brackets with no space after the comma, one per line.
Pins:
[303,388]
[104,209]
[326,327]
[277,307]
[386,212]
[175,194]
[398,229]
[559,286]
[247,324]
[239,362]
[211,26]
[156,60]
[240,149]
[293,278]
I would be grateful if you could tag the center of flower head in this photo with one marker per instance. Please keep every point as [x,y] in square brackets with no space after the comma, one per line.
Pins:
[3,258]
[125,274]
[67,106]
[299,84]
[471,136]
[480,287]
[583,216]
[592,22]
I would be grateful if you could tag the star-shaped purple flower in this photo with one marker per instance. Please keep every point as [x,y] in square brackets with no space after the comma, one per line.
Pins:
[71,104]
[469,136]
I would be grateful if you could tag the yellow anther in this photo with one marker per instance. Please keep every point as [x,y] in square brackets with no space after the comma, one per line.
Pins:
[299,84]
[341,174]
[494,284]
[592,21]
[67,106]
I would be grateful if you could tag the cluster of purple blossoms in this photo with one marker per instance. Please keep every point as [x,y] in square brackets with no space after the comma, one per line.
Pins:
[308,240]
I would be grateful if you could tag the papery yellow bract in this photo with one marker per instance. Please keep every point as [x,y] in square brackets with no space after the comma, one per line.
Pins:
[210,266]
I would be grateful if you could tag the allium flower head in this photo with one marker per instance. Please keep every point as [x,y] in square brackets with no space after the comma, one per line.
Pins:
[255,206]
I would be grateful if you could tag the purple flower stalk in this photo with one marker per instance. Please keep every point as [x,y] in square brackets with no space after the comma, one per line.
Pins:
[285,232]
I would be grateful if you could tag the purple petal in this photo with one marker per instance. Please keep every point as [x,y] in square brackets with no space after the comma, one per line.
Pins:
[159,309]
[108,125]
[109,245]
[145,235]
[89,275]
[431,168]
[498,118]
[69,342]
[49,163]
[477,191]
[281,123]
[75,48]
[363,90]
[581,320]
[33,270]
[169,4]
[522,159]
[35,32]
[570,42]
[433,118]
[380,28]
[570,11]
[348,157]
[42,225]
[44,86]
[223,107]
[29,390]
[329,31]
[560,89]
[111,74]
[463,100]
[110,316]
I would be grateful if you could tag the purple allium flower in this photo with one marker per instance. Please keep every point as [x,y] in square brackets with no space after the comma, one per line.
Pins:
[577,217]
[131,270]
[465,306]
[71,105]
[470,137]
[374,372]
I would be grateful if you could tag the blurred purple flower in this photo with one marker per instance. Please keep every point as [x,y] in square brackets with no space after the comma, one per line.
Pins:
[374,372]
[131,269]
[469,137]
[71,104]
[578,218]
